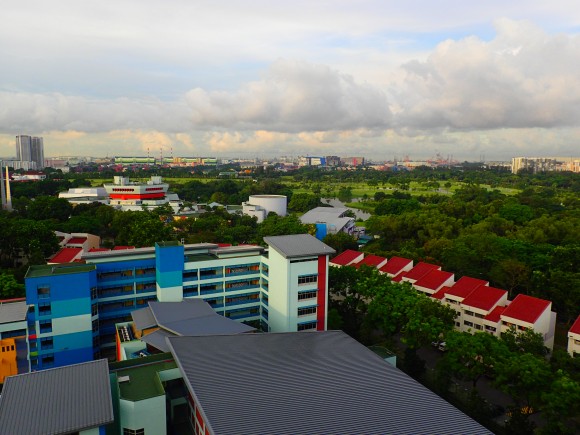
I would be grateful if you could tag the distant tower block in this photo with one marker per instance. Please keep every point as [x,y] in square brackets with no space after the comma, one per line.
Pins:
[2,191]
[8,194]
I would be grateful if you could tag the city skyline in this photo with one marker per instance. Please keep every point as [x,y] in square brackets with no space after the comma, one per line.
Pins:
[377,79]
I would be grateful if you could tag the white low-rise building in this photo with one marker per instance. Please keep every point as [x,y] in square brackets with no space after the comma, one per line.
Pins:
[574,338]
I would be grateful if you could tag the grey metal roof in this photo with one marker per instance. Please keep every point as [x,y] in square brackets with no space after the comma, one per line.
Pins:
[322,214]
[165,312]
[305,383]
[56,401]
[157,339]
[188,317]
[298,245]
[13,311]
[143,318]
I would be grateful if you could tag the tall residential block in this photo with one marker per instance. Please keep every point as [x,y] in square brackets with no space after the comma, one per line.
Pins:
[30,149]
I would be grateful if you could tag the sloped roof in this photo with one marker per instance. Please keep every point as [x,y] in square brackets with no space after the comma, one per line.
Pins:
[433,279]
[371,260]
[65,255]
[313,382]
[298,245]
[157,339]
[322,214]
[495,314]
[484,297]
[399,277]
[57,401]
[420,270]
[347,257]
[526,308]
[575,329]
[440,294]
[143,318]
[13,311]
[188,317]
[395,265]
[464,286]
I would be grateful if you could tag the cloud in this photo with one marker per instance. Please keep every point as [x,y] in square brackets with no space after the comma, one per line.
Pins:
[521,79]
[294,97]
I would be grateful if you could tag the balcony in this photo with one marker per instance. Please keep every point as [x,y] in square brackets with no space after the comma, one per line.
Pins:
[115,275]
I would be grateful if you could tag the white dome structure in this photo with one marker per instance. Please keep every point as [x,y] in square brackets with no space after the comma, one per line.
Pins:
[260,205]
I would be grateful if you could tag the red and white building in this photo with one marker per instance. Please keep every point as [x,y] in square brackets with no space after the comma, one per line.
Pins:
[574,338]
[479,307]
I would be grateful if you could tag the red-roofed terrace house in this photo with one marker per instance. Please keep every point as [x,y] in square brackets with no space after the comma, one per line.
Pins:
[396,265]
[574,338]
[372,261]
[478,305]
[433,281]
[346,258]
[527,312]
[419,271]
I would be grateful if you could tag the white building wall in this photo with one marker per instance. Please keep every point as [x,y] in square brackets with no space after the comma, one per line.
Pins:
[573,343]
[148,414]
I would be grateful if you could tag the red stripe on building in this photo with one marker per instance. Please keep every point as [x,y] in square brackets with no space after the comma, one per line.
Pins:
[321,298]
[125,196]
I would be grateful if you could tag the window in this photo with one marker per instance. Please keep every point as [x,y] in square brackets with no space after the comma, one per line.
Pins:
[469,313]
[94,310]
[308,294]
[44,309]
[46,343]
[307,279]
[133,431]
[467,323]
[306,311]
[477,326]
[43,292]
[48,360]
[307,326]
[45,326]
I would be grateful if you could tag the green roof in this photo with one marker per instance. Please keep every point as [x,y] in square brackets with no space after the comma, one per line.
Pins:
[143,382]
[58,269]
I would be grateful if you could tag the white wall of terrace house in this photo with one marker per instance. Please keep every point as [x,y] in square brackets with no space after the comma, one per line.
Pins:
[455,303]
[573,343]
[544,324]
[474,317]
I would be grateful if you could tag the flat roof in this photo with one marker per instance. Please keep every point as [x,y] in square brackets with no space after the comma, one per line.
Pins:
[37,271]
[143,382]
[13,311]
[305,383]
[57,401]
[298,245]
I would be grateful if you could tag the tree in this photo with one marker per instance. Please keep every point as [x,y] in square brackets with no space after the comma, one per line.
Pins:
[561,402]
[303,202]
[526,341]
[473,356]
[341,242]
[275,225]
[9,287]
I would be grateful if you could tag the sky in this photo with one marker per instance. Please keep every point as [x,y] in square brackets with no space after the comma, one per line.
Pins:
[260,78]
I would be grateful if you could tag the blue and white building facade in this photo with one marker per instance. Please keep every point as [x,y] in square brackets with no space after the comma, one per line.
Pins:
[75,306]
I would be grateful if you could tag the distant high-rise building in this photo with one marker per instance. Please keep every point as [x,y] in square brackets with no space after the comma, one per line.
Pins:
[30,149]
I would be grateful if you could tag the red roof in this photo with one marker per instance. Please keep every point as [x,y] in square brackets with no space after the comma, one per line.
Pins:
[526,308]
[465,286]
[395,265]
[399,277]
[76,240]
[99,249]
[495,313]
[224,245]
[440,294]
[420,270]
[575,329]
[371,260]
[433,279]
[484,297]
[346,257]
[120,248]
[65,255]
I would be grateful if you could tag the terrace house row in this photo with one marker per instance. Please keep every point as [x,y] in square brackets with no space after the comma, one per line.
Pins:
[479,306]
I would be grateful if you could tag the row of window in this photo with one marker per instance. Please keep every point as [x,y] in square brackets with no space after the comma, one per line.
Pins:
[307,279]
[306,311]
[307,326]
